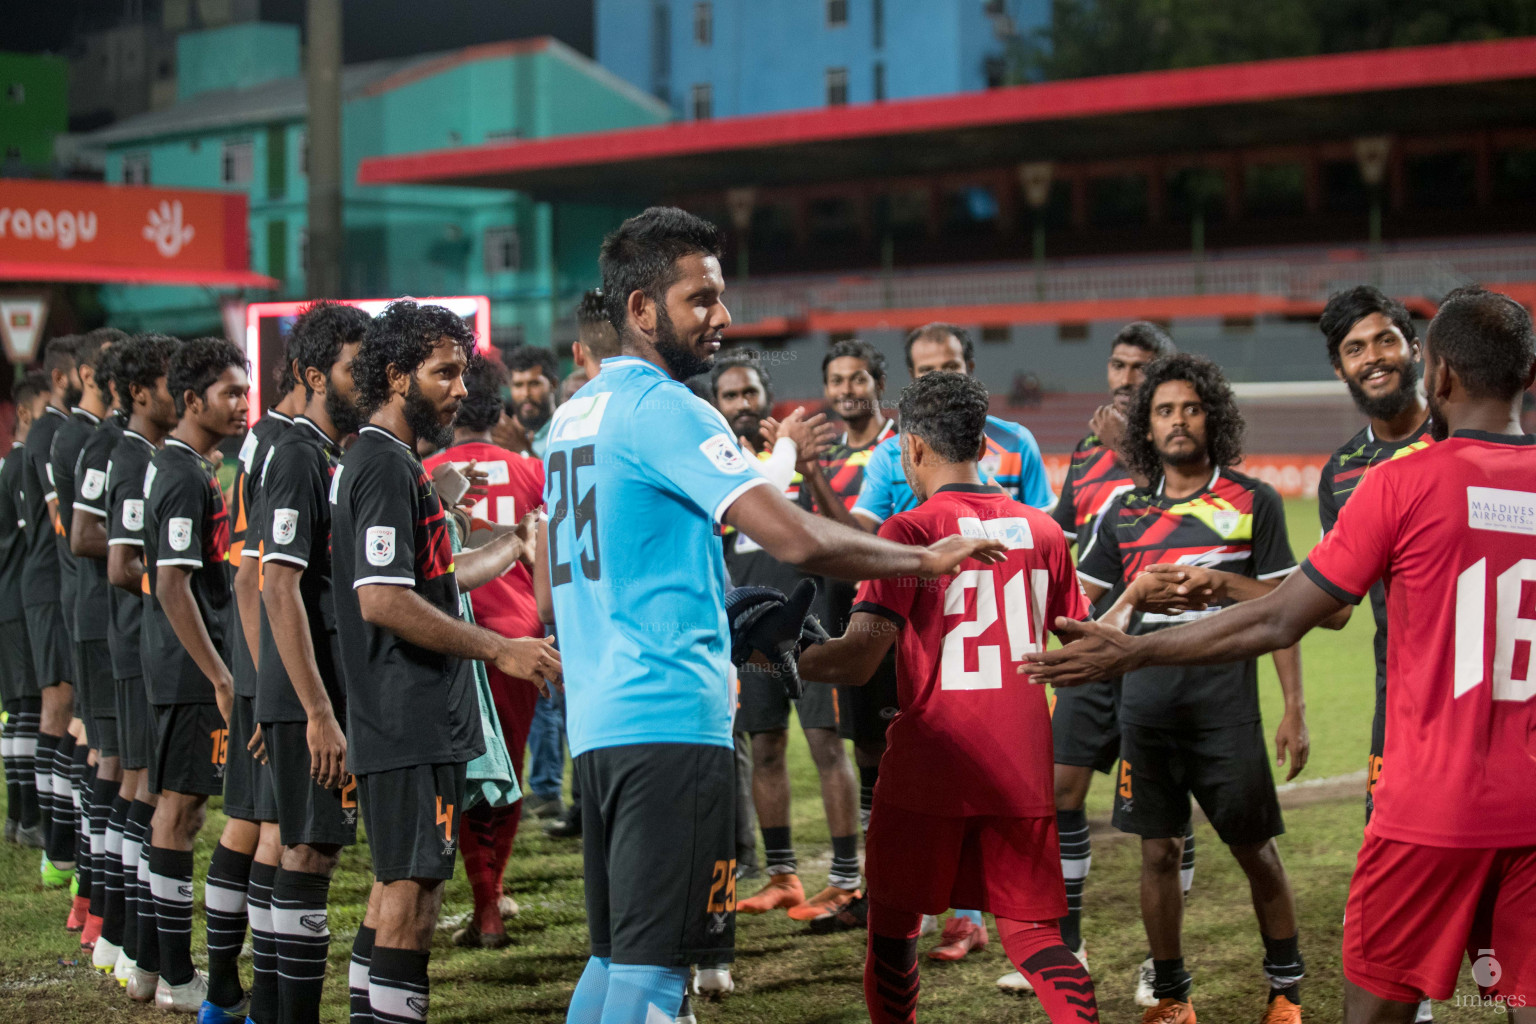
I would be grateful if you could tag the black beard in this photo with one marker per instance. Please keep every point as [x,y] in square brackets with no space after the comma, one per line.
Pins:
[343,414]
[421,417]
[72,396]
[1182,459]
[546,411]
[752,431]
[1392,404]
[1438,429]
[681,362]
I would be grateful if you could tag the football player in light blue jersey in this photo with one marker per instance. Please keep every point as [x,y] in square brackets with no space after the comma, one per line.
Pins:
[1012,460]
[640,475]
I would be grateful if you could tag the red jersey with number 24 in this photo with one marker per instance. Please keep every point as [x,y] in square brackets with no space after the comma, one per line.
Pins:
[973,736]
[1451,532]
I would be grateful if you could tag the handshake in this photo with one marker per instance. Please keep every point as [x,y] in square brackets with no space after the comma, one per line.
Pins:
[765,622]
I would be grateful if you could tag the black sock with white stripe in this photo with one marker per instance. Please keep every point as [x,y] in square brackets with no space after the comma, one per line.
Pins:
[229,871]
[25,716]
[868,776]
[398,989]
[103,791]
[136,843]
[263,944]
[63,836]
[12,771]
[303,942]
[42,776]
[1076,860]
[170,883]
[357,976]
[1187,864]
[1283,968]
[82,780]
[779,850]
[112,919]
[845,862]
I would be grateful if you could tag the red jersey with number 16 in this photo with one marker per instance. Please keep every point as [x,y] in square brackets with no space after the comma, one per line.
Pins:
[1451,532]
[973,736]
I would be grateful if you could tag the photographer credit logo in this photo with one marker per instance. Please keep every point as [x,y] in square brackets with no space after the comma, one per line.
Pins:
[1488,972]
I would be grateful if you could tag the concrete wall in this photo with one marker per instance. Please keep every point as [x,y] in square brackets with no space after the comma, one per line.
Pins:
[235,57]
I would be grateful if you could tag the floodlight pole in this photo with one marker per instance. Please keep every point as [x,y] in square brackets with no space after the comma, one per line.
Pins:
[323,81]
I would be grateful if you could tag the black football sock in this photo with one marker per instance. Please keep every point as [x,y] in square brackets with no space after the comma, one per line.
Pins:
[1187,864]
[24,718]
[62,835]
[103,792]
[844,872]
[263,945]
[868,776]
[112,917]
[1076,859]
[12,770]
[357,976]
[779,850]
[303,942]
[229,871]
[1170,980]
[42,775]
[1284,968]
[170,882]
[81,783]
[398,989]
[141,904]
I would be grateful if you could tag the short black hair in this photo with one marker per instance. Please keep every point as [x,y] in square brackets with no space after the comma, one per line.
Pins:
[35,383]
[1145,335]
[143,359]
[402,336]
[873,358]
[642,254]
[534,357]
[949,412]
[106,370]
[1347,308]
[197,364]
[60,354]
[741,359]
[89,346]
[320,332]
[1224,426]
[484,378]
[938,331]
[592,309]
[1486,338]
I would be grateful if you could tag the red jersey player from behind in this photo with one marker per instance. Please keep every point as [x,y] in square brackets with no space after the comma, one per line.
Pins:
[964,813]
[1448,867]
[514,487]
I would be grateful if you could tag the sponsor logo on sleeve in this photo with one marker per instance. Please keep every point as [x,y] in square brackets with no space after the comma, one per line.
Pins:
[724,453]
[285,524]
[380,541]
[179,532]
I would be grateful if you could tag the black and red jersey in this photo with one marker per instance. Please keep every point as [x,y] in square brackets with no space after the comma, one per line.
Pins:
[1095,476]
[843,466]
[1234,524]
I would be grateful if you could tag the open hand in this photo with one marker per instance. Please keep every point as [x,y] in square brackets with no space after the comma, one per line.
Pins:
[1109,424]
[812,435]
[1170,588]
[1093,652]
[943,557]
[327,752]
[479,485]
[532,658]
[258,746]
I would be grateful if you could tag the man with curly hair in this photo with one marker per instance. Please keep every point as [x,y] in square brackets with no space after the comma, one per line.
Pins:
[413,720]
[1196,536]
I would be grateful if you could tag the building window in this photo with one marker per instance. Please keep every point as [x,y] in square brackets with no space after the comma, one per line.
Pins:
[837,87]
[837,13]
[16,92]
[1071,331]
[704,23]
[503,250]
[702,102]
[239,162]
[879,80]
[136,169]
[877,16]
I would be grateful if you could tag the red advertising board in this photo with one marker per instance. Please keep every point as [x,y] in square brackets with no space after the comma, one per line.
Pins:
[87,231]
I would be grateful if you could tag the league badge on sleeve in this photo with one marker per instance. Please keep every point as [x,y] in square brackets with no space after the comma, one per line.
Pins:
[285,523]
[381,544]
[133,513]
[179,532]
[94,483]
[725,454]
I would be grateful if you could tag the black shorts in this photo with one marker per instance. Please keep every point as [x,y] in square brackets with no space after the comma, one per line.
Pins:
[52,656]
[1085,725]
[191,746]
[865,712]
[247,782]
[658,823]
[1378,744]
[135,724]
[1226,769]
[96,699]
[306,813]
[413,816]
[18,673]
[765,705]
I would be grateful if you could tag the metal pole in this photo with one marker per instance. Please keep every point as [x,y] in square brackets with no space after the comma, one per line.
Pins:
[323,78]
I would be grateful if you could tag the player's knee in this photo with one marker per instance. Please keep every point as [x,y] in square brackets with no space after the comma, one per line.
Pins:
[1161,856]
[769,750]
[1261,862]
[826,749]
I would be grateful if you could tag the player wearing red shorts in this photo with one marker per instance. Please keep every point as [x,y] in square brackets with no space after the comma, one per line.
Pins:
[964,813]
[514,487]
[1449,861]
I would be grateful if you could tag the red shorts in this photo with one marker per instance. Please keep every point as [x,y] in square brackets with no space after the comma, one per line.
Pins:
[1414,911]
[923,863]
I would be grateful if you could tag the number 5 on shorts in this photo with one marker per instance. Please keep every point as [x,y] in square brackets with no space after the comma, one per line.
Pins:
[722,888]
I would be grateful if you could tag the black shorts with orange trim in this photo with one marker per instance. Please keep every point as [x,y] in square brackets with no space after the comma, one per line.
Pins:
[307,814]
[412,815]
[191,747]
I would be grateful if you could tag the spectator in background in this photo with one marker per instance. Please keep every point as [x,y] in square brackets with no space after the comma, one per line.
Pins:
[534,381]
[572,383]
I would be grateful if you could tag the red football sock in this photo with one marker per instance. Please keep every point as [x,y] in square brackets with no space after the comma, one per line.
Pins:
[890,968]
[478,844]
[1060,980]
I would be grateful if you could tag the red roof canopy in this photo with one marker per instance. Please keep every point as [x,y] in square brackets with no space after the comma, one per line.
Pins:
[1287,101]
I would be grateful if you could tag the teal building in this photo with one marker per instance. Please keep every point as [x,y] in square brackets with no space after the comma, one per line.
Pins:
[240,123]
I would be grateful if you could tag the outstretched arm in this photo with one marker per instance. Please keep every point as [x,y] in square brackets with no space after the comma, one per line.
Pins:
[851,659]
[1278,619]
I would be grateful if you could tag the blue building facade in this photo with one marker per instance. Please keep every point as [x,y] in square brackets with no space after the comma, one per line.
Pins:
[721,58]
